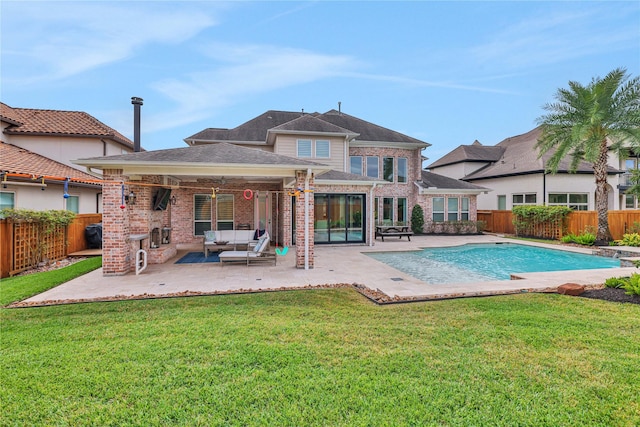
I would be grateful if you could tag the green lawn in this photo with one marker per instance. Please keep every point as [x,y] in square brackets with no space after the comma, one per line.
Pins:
[322,357]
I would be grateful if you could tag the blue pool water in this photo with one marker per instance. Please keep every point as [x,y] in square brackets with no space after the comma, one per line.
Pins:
[484,262]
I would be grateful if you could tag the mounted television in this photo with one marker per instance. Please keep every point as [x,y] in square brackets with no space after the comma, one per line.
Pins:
[161,199]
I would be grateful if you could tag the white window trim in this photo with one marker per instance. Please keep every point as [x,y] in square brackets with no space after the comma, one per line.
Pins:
[310,148]
[328,156]
[524,198]
[568,203]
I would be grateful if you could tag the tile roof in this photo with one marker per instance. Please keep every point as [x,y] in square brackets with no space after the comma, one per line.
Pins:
[521,157]
[57,123]
[256,129]
[15,159]
[433,180]
[217,153]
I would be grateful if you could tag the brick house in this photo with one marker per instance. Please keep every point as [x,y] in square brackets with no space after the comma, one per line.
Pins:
[306,178]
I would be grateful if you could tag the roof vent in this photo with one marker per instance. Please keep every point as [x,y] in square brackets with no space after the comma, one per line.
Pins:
[137,102]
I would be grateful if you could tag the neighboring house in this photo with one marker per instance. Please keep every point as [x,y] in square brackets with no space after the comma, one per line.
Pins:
[26,183]
[516,176]
[55,138]
[306,178]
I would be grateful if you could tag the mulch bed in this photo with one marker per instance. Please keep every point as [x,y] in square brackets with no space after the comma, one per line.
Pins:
[611,294]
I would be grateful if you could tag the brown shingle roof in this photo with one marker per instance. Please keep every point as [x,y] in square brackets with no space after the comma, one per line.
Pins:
[521,157]
[433,180]
[255,130]
[469,153]
[17,160]
[58,123]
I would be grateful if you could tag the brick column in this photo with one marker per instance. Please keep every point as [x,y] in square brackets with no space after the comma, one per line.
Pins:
[300,223]
[285,218]
[116,250]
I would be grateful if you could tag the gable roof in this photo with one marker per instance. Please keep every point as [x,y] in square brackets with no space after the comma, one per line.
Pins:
[440,183]
[367,131]
[29,121]
[520,157]
[17,160]
[334,122]
[469,153]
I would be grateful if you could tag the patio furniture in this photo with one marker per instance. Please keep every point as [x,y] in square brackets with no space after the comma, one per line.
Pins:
[393,230]
[221,240]
[258,254]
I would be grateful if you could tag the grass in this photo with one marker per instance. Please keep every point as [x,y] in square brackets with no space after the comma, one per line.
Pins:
[21,287]
[322,357]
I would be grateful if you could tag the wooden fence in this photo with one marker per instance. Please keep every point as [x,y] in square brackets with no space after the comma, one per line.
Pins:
[620,222]
[23,245]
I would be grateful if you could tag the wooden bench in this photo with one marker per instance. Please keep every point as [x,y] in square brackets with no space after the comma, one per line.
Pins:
[391,231]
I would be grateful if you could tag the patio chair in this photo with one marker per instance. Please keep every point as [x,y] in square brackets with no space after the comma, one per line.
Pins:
[258,254]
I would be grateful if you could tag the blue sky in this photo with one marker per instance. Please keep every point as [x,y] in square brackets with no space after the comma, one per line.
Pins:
[444,72]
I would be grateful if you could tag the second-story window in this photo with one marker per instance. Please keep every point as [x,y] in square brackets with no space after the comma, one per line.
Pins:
[402,169]
[304,148]
[356,164]
[387,168]
[372,166]
[323,148]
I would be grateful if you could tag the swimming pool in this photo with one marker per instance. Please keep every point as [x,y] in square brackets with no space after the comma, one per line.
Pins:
[484,262]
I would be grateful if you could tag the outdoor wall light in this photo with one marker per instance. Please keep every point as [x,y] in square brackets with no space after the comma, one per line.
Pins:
[130,198]
[173,200]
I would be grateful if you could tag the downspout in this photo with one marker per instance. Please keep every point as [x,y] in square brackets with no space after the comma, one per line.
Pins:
[372,210]
[306,219]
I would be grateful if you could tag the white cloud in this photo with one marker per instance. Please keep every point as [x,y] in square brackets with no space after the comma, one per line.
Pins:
[556,37]
[55,40]
[240,71]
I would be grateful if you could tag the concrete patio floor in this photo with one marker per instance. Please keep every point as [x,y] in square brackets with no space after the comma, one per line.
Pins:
[333,265]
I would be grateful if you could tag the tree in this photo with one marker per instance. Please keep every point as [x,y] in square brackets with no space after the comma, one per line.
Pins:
[417,219]
[586,122]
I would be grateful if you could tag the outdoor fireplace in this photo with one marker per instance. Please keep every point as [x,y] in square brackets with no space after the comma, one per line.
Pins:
[155,238]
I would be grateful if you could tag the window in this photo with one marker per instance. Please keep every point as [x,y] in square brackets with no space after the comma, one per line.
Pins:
[630,201]
[438,209]
[575,201]
[7,200]
[323,148]
[372,166]
[402,169]
[356,164]
[376,202]
[452,209]
[73,204]
[387,168]
[201,213]
[304,148]
[464,210]
[224,211]
[387,211]
[502,202]
[524,199]
[402,211]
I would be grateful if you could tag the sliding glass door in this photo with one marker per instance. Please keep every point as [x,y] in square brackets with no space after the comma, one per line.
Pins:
[339,218]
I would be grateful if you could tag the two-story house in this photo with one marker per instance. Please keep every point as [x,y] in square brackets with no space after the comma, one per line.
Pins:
[516,175]
[37,147]
[306,178]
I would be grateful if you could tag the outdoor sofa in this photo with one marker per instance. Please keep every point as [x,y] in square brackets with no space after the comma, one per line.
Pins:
[219,240]
[254,254]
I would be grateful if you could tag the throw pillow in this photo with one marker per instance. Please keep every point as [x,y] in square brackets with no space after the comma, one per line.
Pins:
[210,236]
[258,233]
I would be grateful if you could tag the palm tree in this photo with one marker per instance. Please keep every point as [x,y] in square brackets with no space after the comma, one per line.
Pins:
[586,122]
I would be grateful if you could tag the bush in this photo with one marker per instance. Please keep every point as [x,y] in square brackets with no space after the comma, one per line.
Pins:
[417,219]
[587,238]
[632,239]
[632,285]
[615,282]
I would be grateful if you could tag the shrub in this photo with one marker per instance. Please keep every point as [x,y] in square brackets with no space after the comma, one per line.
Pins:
[632,286]
[568,238]
[587,238]
[632,239]
[417,219]
[615,282]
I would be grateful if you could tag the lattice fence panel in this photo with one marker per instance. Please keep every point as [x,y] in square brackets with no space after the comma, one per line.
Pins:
[32,244]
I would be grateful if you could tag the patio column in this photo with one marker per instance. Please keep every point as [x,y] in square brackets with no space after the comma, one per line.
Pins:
[116,250]
[304,220]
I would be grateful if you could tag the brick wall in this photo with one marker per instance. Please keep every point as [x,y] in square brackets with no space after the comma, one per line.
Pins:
[304,198]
